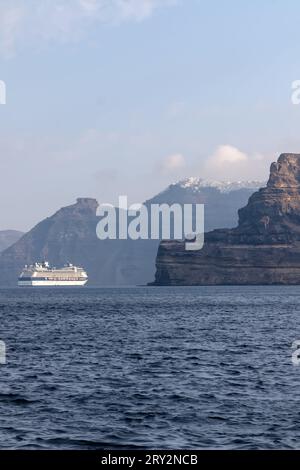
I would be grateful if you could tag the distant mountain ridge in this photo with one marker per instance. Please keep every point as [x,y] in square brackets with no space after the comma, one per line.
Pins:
[69,235]
[195,184]
[8,238]
[222,199]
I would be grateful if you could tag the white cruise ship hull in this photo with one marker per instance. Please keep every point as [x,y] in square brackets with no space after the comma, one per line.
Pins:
[54,283]
[42,275]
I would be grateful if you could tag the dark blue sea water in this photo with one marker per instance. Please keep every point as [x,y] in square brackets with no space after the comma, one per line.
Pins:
[206,367]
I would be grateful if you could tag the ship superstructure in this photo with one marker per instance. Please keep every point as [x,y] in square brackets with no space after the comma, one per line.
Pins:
[42,274]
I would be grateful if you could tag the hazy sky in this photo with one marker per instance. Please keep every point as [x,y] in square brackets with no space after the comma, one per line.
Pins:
[109,97]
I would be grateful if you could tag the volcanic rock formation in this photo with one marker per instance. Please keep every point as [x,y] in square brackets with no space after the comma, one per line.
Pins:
[70,236]
[263,249]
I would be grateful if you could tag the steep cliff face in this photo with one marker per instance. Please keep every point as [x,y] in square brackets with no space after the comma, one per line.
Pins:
[70,236]
[263,249]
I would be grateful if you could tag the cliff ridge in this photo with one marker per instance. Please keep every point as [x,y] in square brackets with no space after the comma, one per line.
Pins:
[263,249]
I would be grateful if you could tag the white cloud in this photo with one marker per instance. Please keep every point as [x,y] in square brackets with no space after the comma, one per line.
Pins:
[230,163]
[36,21]
[227,154]
[173,163]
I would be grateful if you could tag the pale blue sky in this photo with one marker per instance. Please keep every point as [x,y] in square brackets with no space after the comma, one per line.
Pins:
[109,97]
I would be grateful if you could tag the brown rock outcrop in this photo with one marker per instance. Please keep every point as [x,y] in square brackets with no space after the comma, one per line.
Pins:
[263,249]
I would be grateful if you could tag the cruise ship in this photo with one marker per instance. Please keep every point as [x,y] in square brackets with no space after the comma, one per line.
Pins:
[42,275]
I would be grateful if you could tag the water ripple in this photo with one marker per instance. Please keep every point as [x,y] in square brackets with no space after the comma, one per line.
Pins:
[150,368]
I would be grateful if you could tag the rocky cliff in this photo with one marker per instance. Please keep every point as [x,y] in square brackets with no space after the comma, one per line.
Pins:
[263,249]
[70,236]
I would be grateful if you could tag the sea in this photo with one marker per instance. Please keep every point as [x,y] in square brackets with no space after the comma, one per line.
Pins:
[150,368]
